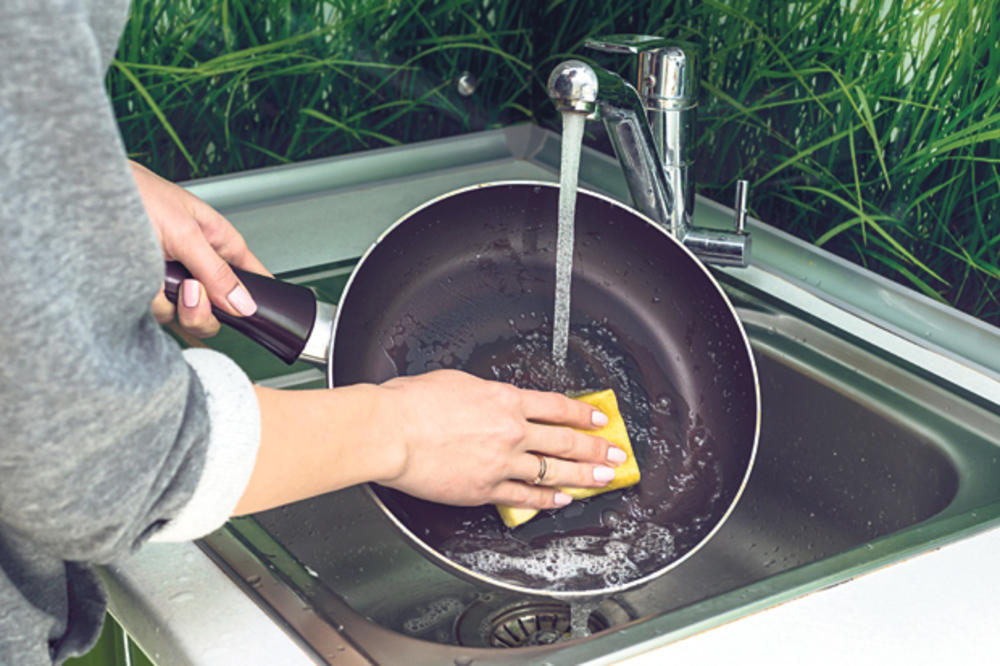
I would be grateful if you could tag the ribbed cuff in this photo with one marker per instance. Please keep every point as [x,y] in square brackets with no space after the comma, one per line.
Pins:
[234,437]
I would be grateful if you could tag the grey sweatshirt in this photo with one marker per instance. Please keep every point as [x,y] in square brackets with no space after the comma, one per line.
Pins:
[109,435]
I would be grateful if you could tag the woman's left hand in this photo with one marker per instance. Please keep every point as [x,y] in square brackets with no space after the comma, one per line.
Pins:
[198,236]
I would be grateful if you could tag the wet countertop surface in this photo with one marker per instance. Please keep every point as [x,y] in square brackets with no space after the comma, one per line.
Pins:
[937,608]
[941,607]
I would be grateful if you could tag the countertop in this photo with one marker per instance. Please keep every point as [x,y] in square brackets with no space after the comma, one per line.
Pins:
[937,608]
[941,607]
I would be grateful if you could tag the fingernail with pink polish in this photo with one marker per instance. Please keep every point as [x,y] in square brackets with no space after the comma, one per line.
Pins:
[616,455]
[603,474]
[240,299]
[599,419]
[190,293]
[562,499]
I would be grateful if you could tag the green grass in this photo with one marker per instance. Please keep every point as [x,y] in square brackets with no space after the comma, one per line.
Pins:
[869,130]
[202,88]
[873,133]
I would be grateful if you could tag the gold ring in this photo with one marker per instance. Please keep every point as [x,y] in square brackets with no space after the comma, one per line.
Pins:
[543,467]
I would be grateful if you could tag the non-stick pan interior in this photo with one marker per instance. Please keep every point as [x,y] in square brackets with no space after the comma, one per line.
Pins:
[467,282]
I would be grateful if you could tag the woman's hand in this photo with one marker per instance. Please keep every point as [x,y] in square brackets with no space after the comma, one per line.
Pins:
[458,439]
[195,234]
[445,436]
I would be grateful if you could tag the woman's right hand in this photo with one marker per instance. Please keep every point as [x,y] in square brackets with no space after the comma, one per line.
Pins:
[458,439]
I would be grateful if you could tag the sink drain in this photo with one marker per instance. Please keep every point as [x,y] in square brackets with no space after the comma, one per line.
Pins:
[537,624]
[529,623]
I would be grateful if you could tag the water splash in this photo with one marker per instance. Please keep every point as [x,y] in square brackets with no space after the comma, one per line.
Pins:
[611,539]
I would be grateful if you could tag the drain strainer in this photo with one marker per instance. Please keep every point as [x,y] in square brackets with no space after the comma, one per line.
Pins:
[537,624]
[529,623]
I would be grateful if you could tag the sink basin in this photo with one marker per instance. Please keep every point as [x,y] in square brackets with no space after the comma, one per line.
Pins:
[863,460]
[880,436]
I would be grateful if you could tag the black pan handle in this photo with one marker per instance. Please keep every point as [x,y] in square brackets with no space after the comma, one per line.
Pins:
[285,313]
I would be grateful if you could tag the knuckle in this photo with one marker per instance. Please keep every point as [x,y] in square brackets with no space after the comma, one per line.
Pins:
[597,448]
[571,411]
[187,232]
[521,495]
[209,329]
[163,310]
[198,323]
[493,469]
[222,275]
[233,247]
[512,430]
[585,476]
[236,243]
[453,375]
[577,474]
[566,441]
[506,395]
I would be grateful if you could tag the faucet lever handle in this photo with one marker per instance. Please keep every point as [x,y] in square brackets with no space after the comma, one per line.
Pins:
[740,206]
[627,43]
[667,69]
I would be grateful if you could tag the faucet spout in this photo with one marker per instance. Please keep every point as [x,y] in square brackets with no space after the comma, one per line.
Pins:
[576,87]
[657,172]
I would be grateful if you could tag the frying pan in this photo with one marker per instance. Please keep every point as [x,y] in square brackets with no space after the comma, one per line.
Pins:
[466,281]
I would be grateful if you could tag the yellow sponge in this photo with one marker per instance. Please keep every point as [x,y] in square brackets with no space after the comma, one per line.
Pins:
[626,474]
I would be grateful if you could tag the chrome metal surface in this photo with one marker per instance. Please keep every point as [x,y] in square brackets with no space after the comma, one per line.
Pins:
[317,345]
[892,398]
[530,624]
[668,88]
[536,623]
[572,87]
[466,84]
[254,573]
[740,206]
[668,72]
[652,132]
[923,376]
[720,248]
[607,96]
[489,622]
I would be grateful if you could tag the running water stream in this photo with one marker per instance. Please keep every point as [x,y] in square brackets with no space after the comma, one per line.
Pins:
[572,141]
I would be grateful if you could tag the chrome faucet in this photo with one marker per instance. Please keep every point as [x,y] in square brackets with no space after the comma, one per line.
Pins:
[652,131]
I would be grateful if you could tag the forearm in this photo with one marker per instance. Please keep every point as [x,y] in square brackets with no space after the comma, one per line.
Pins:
[315,442]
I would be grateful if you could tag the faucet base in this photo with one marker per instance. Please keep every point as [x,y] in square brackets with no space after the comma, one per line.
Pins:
[719,248]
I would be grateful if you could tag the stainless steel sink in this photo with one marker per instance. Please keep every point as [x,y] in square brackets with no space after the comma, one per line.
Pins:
[862,461]
[880,435]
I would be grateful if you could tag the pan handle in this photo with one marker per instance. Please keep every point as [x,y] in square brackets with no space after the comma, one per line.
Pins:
[285,319]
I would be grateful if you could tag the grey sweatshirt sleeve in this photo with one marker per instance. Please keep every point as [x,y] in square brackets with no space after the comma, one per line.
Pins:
[231,452]
[107,434]
[105,427]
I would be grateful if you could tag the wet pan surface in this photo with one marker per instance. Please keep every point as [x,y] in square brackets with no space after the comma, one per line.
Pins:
[647,321]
